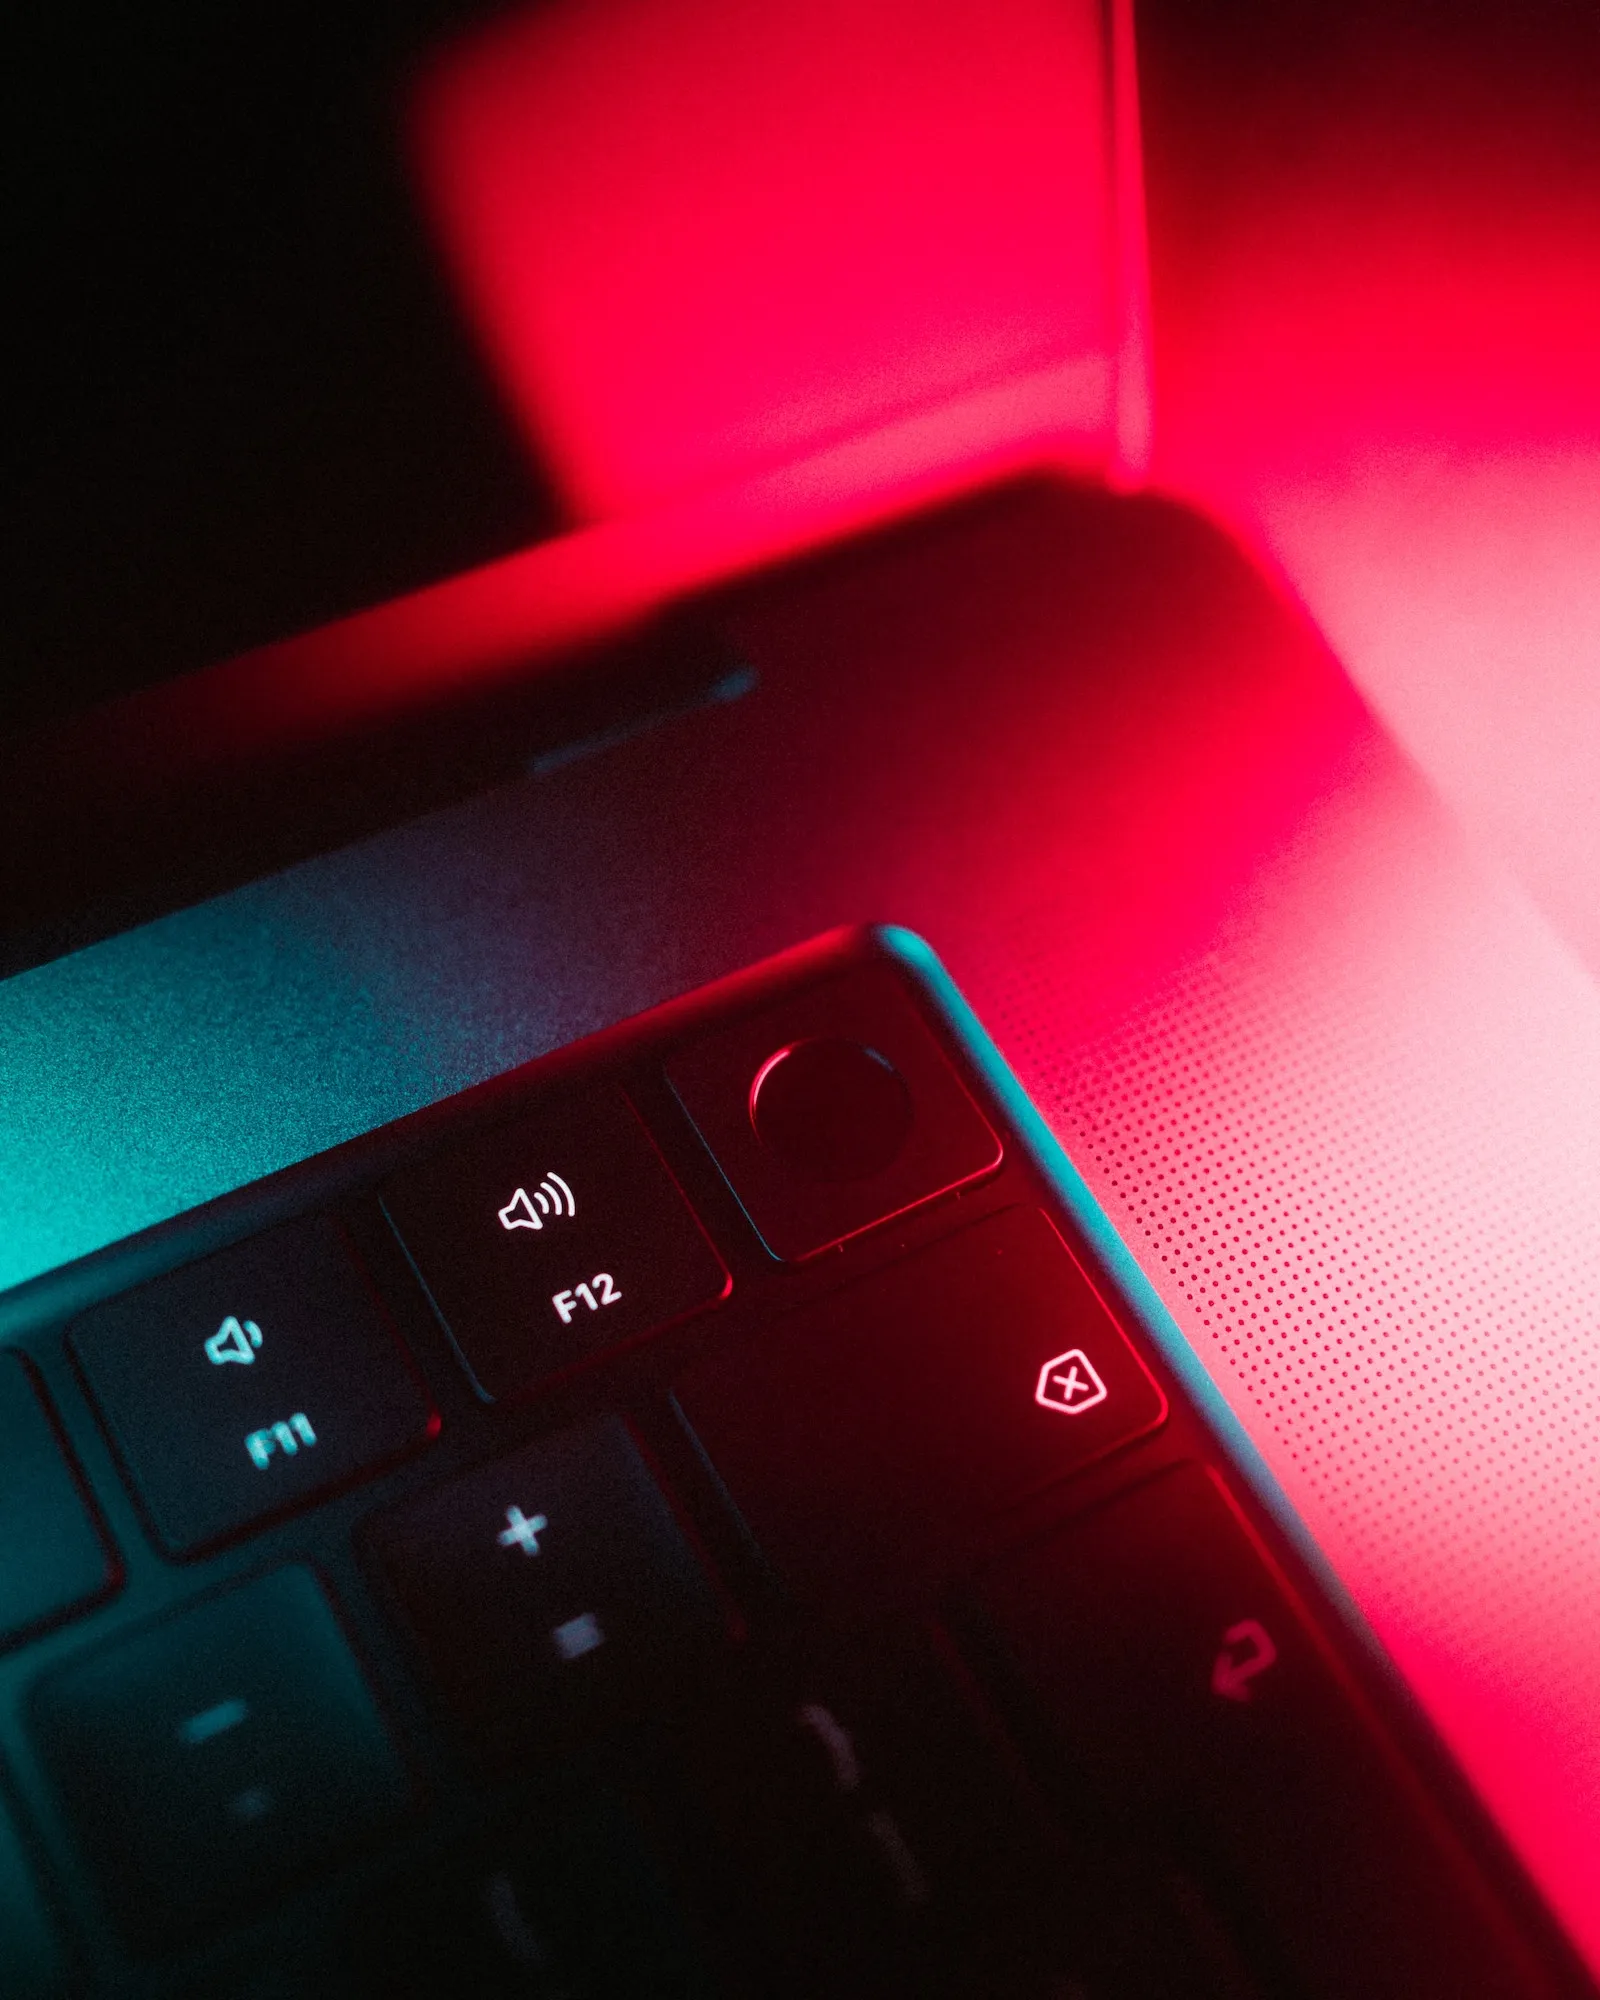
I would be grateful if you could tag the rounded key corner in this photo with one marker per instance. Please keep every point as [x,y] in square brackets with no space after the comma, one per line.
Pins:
[116,1576]
[871,1116]
[1100,1455]
[803,1252]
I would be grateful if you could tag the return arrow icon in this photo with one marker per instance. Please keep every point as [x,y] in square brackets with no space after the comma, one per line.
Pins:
[1233,1670]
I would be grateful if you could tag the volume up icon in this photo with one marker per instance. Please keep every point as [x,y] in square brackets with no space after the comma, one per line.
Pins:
[552,1198]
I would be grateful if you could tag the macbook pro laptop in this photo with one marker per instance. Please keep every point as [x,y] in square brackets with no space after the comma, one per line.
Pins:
[920,759]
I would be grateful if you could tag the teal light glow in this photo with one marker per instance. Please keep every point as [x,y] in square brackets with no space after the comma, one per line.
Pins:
[168,1066]
[163,1067]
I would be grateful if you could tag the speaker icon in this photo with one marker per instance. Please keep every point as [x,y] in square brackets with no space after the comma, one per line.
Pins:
[551,1200]
[235,1340]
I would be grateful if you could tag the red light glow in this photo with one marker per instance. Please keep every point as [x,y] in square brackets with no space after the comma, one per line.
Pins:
[1376,358]
[702,238]
[907,260]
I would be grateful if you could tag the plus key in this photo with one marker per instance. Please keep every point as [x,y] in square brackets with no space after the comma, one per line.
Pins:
[521,1532]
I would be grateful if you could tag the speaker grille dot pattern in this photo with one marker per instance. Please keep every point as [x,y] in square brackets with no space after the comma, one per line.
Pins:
[1356,1146]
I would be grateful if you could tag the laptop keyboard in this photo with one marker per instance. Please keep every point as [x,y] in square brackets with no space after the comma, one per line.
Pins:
[695,1516]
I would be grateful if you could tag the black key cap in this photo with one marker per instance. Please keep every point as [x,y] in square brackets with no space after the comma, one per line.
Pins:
[572,1905]
[870,1440]
[1182,1677]
[207,1760]
[55,1561]
[881,1837]
[243,1385]
[548,1241]
[548,1589]
[831,1112]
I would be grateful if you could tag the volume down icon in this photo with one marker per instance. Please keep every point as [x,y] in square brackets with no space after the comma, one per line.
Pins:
[551,1200]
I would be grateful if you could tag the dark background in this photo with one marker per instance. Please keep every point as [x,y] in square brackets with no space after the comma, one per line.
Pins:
[240,401]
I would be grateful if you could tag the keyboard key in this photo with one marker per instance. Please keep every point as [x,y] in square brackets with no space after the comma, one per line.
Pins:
[1157,1625]
[832,1111]
[874,1830]
[571,1902]
[207,1761]
[55,1560]
[869,1440]
[1181,1677]
[244,1385]
[547,1588]
[549,1241]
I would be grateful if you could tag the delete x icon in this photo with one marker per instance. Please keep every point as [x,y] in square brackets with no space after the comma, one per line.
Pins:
[1069,1384]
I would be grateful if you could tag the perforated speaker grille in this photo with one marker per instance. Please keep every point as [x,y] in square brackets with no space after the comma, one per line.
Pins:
[1356,1145]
